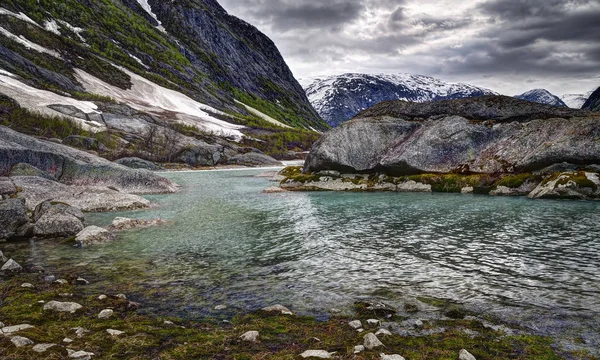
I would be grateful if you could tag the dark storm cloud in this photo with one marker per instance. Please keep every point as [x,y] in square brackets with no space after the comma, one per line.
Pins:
[495,41]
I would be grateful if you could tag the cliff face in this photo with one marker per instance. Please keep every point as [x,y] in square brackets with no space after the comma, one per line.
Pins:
[190,46]
[593,103]
[491,134]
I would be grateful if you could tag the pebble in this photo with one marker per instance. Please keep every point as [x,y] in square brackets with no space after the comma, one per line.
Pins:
[67,340]
[356,324]
[81,355]
[371,341]
[359,348]
[106,314]
[27,286]
[465,355]
[373,322]
[42,347]
[102,297]
[220,307]
[69,307]
[391,357]
[20,341]
[250,336]
[322,354]
[113,332]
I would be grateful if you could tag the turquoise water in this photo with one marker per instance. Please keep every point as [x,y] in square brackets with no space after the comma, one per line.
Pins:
[531,262]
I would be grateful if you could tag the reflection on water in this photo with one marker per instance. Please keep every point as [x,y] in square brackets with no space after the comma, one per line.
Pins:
[229,243]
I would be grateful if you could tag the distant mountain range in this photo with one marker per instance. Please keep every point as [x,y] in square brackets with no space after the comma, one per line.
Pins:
[541,96]
[339,98]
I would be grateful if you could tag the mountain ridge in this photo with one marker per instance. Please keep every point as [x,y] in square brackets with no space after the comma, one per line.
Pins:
[541,96]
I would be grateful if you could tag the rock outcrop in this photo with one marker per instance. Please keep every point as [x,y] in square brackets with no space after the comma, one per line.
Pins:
[13,216]
[486,135]
[75,167]
[57,220]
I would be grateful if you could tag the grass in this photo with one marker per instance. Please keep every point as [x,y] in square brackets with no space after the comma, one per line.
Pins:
[281,336]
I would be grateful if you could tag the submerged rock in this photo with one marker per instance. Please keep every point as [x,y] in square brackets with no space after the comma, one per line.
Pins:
[93,235]
[121,223]
[54,220]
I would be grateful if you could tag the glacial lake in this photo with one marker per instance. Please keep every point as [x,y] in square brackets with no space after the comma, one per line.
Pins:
[534,263]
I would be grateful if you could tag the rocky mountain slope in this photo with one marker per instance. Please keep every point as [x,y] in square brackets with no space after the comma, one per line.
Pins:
[339,98]
[491,134]
[541,96]
[576,101]
[593,102]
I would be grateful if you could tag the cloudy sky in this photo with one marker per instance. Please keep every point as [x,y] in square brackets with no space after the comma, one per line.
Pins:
[510,46]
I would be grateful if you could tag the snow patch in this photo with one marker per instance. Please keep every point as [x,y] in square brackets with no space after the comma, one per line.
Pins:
[4,72]
[21,16]
[139,61]
[38,100]
[76,30]
[28,44]
[149,97]
[144,4]
[576,101]
[263,116]
[52,26]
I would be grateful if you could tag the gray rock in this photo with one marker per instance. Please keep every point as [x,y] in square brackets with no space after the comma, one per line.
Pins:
[250,336]
[373,322]
[3,258]
[113,332]
[321,354]
[137,163]
[372,342]
[121,223]
[391,357]
[253,159]
[80,332]
[67,340]
[359,348]
[13,215]
[570,185]
[416,323]
[93,235]
[20,341]
[40,348]
[55,220]
[490,134]
[11,266]
[355,324]
[8,330]
[220,307]
[278,308]
[102,297]
[75,167]
[88,198]
[50,278]
[465,355]
[1,326]
[22,169]
[81,355]
[106,314]
[384,332]
[58,306]
[7,187]
[27,286]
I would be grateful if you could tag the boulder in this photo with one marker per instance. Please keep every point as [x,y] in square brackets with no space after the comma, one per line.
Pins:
[13,215]
[137,163]
[88,198]
[274,190]
[75,167]
[490,134]
[92,235]
[58,306]
[253,159]
[22,169]
[54,220]
[121,223]
[372,342]
[571,185]
[11,266]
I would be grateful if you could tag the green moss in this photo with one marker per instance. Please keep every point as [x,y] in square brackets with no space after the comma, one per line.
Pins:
[578,178]
[291,171]
[515,181]
[452,183]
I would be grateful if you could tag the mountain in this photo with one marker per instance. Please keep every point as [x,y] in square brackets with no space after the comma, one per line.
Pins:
[131,70]
[593,103]
[576,101]
[541,96]
[339,98]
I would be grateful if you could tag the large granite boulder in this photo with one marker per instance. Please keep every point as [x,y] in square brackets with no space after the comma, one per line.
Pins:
[13,216]
[75,167]
[57,220]
[490,134]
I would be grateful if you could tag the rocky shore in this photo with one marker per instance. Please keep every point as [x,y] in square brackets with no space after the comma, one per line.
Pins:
[52,315]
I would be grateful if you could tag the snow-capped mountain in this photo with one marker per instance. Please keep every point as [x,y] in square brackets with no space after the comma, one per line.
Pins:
[542,96]
[576,101]
[339,98]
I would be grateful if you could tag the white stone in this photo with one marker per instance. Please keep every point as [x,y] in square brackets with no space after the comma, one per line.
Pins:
[81,355]
[167,322]
[373,322]
[20,341]
[359,349]
[61,282]
[250,336]
[69,307]
[80,332]
[67,340]
[113,332]
[42,347]
[322,354]
[391,357]
[11,265]
[27,286]
[102,297]
[122,296]
[467,190]
[384,332]
[465,355]
[278,308]
[106,314]
[3,258]
[15,328]
[220,307]
[371,341]
[355,324]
